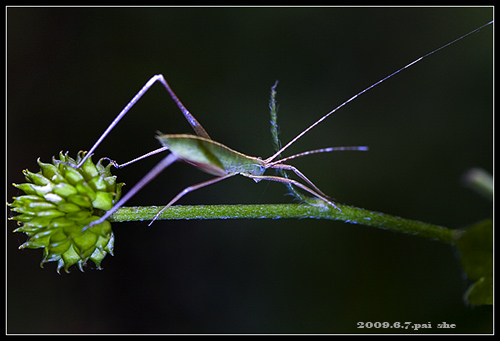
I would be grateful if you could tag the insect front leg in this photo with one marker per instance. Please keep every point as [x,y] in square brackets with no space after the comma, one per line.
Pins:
[323,197]
[299,174]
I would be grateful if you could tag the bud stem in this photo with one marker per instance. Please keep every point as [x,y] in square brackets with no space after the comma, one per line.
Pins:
[348,214]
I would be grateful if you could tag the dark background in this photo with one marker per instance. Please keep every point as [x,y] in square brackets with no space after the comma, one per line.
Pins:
[71,70]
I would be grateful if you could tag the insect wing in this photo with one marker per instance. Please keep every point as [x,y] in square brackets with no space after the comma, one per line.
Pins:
[193,151]
[210,156]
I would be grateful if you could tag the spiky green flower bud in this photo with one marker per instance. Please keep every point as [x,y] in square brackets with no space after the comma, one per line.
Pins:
[59,202]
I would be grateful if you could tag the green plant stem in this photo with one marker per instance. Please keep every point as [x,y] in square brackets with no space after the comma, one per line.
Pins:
[348,214]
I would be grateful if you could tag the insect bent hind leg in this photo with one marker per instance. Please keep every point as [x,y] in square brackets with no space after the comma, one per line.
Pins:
[197,127]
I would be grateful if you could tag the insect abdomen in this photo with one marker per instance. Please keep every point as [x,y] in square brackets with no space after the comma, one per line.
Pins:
[210,156]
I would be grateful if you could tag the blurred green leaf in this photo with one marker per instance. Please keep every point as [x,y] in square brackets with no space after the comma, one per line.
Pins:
[480,292]
[476,248]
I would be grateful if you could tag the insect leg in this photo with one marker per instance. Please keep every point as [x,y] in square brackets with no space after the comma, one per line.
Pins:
[190,118]
[156,151]
[167,161]
[323,197]
[190,189]
[299,173]
[197,127]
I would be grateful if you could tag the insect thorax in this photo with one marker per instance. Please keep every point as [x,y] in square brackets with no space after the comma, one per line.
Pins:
[253,168]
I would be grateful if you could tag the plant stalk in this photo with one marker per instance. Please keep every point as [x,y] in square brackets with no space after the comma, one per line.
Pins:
[349,214]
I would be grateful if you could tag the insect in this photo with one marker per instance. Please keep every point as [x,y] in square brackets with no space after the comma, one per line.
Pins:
[221,161]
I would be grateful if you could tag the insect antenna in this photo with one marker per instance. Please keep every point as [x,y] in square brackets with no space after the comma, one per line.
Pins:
[275,155]
[317,151]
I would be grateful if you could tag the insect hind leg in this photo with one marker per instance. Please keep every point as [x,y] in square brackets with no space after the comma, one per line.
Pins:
[166,162]
[197,127]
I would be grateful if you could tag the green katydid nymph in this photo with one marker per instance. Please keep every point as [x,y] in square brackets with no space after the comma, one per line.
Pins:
[209,156]
[216,159]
